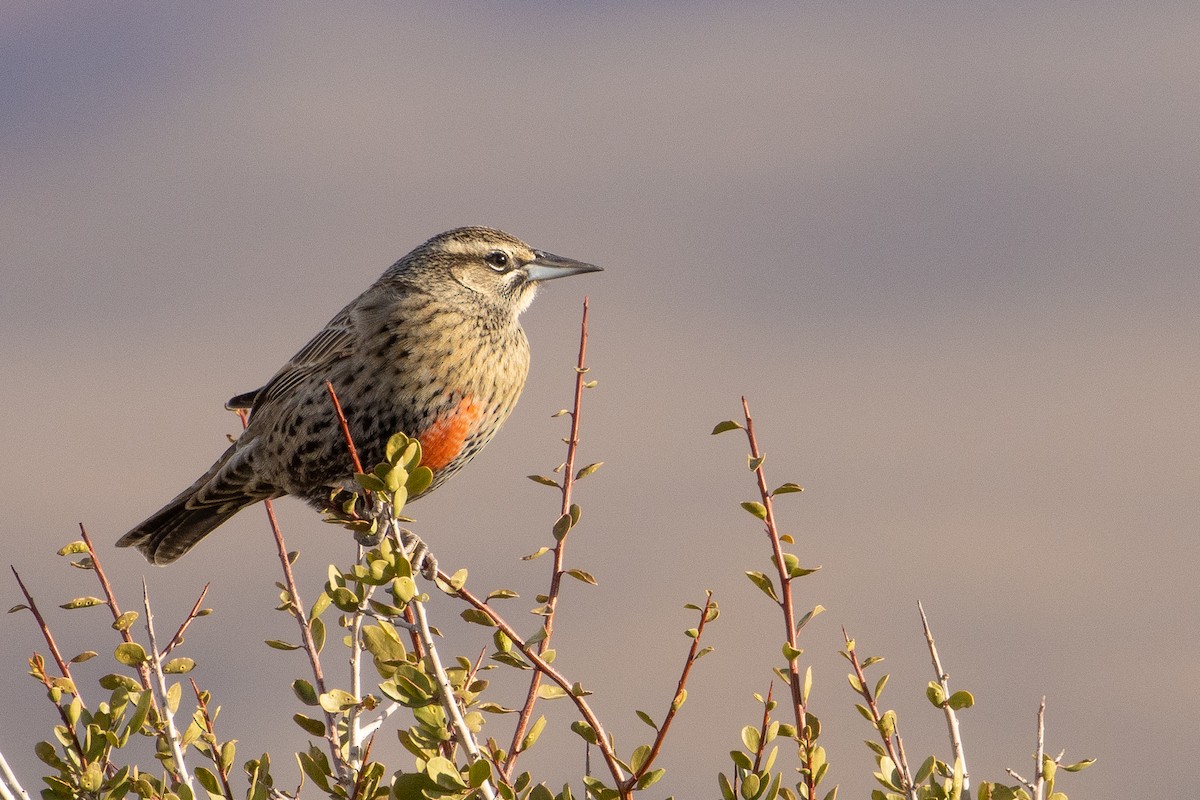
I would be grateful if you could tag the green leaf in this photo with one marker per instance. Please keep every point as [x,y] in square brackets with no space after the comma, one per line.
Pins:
[74,548]
[638,759]
[125,621]
[178,666]
[277,644]
[754,463]
[479,773]
[756,509]
[311,726]
[585,731]
[477,617]
[500,594]
[650,778]
[727,425]
[1079,765]
[419,480]
[535,730]
[960,700]
[130,654]
[82,602]
[86,655]
[646,718]
[305,692]
[751,738]
[588,470]
[562,527]
[336,700]
[787,488]
[763,583]
[541,551]
[581,575]
[544,481]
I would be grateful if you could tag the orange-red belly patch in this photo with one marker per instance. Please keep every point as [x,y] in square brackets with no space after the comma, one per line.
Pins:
[443,440]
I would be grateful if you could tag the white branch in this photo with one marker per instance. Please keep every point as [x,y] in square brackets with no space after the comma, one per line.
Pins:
[160,692]
[10,787]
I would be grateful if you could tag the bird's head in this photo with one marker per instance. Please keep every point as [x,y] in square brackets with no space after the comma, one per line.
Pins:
[494,267]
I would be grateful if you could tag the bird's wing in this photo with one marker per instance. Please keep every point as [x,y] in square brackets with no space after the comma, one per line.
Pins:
[333,343]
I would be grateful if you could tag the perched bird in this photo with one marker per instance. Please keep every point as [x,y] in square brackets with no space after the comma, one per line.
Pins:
[433,349]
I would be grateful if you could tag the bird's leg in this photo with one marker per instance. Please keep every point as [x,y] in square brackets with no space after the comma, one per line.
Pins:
[419,554]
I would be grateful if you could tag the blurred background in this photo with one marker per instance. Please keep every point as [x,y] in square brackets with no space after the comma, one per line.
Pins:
[947,252]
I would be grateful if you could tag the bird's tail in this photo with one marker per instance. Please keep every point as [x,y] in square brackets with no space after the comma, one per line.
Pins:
[224,490]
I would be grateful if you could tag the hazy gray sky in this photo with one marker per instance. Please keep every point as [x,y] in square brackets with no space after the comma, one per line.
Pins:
[949,252]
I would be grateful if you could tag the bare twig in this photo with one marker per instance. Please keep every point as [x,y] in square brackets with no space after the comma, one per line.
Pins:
[337,409]
[1039,756]
[706,614]
[160,690]
[943,680]
[210,735]
[892,743]
[762,731]
[111,601]
[63,669]
[177,639]
[560,547]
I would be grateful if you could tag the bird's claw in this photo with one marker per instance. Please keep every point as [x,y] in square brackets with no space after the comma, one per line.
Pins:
[419,555]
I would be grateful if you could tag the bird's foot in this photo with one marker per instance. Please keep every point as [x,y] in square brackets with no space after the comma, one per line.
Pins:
[419,555]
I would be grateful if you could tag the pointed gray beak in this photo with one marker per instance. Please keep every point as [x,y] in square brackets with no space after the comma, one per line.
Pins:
[547,267]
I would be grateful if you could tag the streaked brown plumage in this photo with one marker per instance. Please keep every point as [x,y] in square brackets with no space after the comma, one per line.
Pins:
[433,348]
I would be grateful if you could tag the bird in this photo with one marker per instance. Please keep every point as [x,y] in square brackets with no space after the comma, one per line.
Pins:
[434,348]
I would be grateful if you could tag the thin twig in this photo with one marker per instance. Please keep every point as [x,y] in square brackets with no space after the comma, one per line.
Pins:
[762,731]
[1039,756]
[308,645]
[345,426]
[943,680]
[560,546]
[677,698]
[895,751]
[799,702]
[211,733]
[63,669]
[111,601]
[177,639]
[160,687]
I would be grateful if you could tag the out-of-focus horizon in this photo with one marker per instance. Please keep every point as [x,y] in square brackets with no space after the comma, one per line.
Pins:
[949,254]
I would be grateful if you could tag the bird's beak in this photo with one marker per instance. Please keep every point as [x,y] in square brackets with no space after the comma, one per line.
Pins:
[547,267]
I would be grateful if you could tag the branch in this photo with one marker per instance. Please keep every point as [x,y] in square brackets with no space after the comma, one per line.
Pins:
[943,680]
[707,614]
[210,734]
[160,687]
[895,753]
[10,787]
[111,601]
[560,547]
[1039,756]
[602,739]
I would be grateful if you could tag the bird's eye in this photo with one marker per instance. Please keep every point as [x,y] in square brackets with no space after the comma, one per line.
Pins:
[498,259]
